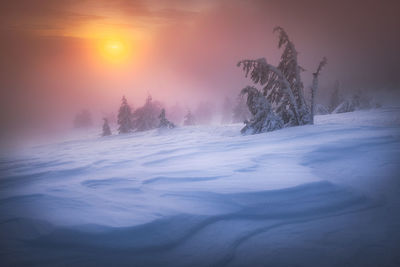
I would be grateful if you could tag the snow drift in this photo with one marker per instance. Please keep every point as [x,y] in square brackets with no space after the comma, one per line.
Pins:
[321,195]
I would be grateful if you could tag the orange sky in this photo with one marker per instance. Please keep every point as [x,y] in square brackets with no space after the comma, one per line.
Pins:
[54,61]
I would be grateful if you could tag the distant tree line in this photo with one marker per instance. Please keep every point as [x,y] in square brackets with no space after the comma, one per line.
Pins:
[150,116]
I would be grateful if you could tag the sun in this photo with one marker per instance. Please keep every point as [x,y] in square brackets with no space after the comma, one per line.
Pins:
[115,50]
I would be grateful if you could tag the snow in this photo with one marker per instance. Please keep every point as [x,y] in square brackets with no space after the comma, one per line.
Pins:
[316,195]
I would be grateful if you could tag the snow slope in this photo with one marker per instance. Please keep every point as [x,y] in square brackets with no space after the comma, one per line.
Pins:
[321,195]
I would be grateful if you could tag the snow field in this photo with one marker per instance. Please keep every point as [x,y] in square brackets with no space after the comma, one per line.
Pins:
[321,195]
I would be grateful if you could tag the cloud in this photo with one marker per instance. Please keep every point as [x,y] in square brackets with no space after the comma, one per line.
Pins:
[49,17]
[45,17]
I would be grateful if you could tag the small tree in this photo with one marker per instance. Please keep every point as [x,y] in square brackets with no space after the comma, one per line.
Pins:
[106,128]
[164,123]
[189,119]
[315,86]
[146,117]
[263,119]
[124,117]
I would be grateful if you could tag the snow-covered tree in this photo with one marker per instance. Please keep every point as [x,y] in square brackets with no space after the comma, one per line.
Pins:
[227,110]
[83,119]
[336,98]
[146,117]
[314,86]
[164,123]
[276,89]
[291,71]
[106,128]
[282,85]
[124,117]
[189,119]
[264,119]
[241,112]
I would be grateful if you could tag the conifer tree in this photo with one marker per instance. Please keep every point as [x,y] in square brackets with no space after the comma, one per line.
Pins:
[106,128]
[263,119]
[146,117]
[282,85]
[124,117]
[291,70]
[164,123]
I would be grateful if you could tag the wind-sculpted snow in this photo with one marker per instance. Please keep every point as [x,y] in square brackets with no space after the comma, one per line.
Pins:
[207,196]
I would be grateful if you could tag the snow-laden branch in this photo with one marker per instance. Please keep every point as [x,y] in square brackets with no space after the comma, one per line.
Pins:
[263,118]
[264,73]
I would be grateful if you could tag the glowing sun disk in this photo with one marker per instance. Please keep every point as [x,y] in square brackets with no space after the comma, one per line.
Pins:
[114,50]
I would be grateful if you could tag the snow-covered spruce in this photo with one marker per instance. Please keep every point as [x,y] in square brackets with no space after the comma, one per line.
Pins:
[124,117]
[164,123]
[291,71]
[263,119]
[189,119]
[276,89]
[146,117]
[106,128]
[282,85]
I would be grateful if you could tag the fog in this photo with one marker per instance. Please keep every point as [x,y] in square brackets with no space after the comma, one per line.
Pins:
[185,52]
